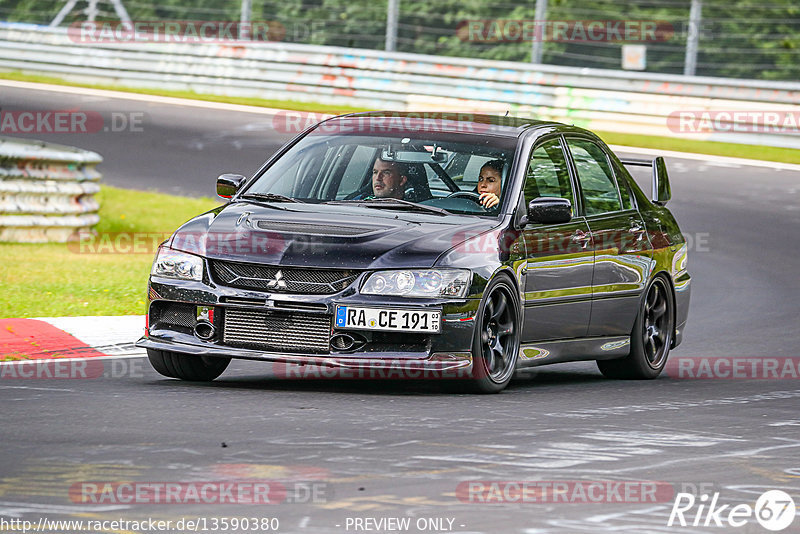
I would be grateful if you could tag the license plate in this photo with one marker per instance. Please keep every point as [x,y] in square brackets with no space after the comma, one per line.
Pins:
[388,319]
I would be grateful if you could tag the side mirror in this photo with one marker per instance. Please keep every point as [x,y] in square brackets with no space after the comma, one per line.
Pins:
[549,210]
[661,189]
[229,184]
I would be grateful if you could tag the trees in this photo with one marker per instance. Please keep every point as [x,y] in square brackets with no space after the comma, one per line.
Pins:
[739,38]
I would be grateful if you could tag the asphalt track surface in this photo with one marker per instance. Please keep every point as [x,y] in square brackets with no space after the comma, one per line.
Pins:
[395,449]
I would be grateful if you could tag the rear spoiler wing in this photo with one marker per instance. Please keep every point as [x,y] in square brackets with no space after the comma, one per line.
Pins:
[661,191]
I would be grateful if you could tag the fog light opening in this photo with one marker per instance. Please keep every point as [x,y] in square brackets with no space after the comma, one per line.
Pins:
[342,342]
[346,342]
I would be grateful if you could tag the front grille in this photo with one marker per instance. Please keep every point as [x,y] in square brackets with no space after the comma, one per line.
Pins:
[280,279]
[277,331]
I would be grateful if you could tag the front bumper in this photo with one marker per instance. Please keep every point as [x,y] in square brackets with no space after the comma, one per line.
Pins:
[683,293]
[448,350]
[438,361]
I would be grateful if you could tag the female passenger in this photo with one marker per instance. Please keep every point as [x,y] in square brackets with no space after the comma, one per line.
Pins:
[489,186]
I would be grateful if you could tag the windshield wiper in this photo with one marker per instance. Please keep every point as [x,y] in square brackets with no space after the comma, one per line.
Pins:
[392,203]
[269,197]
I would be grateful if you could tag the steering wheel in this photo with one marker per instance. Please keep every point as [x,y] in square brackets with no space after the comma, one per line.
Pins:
[469,195]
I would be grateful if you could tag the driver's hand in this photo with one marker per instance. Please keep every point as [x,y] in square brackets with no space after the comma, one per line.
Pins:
[489,200]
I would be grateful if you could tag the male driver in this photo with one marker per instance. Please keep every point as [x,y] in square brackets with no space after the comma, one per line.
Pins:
[389,179]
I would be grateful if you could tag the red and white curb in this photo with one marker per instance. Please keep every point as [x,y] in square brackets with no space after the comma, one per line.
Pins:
[49,338]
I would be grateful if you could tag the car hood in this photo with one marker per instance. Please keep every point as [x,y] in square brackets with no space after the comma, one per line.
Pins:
[323,235]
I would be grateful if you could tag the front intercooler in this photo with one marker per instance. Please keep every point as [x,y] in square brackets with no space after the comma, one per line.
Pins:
[277,331]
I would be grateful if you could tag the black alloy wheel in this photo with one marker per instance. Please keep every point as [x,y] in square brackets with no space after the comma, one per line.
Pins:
[651,337]
[496,339]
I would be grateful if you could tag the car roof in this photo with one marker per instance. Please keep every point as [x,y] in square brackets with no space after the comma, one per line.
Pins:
[451,121]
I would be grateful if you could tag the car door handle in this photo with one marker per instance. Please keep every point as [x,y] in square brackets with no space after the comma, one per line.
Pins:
[581,237]
[638,231]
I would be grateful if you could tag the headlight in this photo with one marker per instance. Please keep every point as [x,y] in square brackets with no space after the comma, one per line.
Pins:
[173,264]
[423,283]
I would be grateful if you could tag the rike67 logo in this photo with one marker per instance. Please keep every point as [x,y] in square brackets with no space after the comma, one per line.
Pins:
[774,510]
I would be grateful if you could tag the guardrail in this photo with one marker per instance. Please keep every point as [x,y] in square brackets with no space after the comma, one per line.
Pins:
[621,101]
[46,191]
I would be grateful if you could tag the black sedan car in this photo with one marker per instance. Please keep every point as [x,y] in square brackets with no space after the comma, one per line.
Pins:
[433,245]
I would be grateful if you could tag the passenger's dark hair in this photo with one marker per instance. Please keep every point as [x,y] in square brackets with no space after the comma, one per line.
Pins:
[495,164]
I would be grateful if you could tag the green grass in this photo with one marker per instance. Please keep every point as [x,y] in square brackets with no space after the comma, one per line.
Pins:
[715,148]
[784,155]
[44,280]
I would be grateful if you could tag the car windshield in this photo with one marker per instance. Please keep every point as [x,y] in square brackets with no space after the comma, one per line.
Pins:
[401,170]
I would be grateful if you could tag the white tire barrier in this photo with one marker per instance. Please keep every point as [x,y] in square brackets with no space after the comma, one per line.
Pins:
[46,191]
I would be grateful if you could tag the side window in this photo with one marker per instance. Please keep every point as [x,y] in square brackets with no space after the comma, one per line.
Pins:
[625,193]
[599,188]
[547,174]
[624,180]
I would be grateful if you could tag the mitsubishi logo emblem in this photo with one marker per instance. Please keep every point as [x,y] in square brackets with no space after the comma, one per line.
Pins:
[278,282]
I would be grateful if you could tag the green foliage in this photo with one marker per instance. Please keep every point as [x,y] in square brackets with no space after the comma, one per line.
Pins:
[739,38]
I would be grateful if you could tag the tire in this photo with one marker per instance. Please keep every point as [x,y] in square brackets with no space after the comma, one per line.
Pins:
[651,336]
[495,344]
[186,367]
